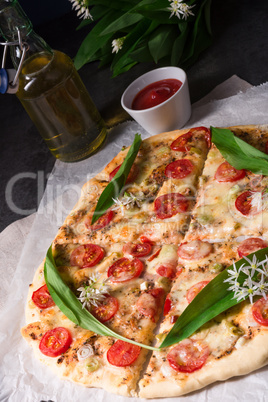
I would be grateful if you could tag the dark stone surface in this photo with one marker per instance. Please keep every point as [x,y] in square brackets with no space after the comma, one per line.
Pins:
[240,47]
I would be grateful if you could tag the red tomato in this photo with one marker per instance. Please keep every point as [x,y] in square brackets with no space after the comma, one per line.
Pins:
[167,305]
[87,255]
[148,302]
[182,143]
[243,204]
[133,173]
[124,270]
[138,249]
[179,169]
[153,256]
[188,356]
[167,271]
[123,354]
[251,245]
[42,298]
[168,205]
[102,221]
[227,173]
[145,239]
[195,289]
[194,250]
[55,342]
[106,309]
[260,311]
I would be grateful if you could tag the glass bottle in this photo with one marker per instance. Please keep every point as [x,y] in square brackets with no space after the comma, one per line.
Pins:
[51,90]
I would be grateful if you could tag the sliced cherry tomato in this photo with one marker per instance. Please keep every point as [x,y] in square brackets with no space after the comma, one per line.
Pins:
[251,245]
[138,249]
[144,239]
[103,221]
[149,302]
[55,342]
[260,311]
[42,298]
[179,169]
[87,255]
[194,250]
[123,354]
[182,143]
[195,289]
[106,309]
[124,270]
[167,271]
[227,173]
[243,204]
[133,173]
[168,205]
[188,356]
[167,305]
[153,256]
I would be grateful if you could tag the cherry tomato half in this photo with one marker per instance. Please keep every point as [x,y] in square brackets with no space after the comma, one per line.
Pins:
[124,270]
[106,309]
[179,169]
[133,173]
[55,342]
[251,245]
[168,205]
[167,305]
[138,249]
[102,221]
[227,173]
[194,250]
[87,255]
[42,298]
[188,356]
[260,311]
[243,204]
[183,143]
[167,271]
[149,302]
[195,289]
[123,354]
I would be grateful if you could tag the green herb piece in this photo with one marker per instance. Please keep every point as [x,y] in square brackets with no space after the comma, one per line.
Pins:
[238,153]
[217,297]
[67,302]
[113,189]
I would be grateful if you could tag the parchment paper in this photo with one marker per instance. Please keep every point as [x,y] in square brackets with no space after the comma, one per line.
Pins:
[22,378]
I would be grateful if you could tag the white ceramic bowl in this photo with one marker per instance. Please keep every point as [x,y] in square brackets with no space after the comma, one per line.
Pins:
[169,115]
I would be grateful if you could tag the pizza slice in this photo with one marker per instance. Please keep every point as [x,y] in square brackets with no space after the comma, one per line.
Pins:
[232,344]
[124,286]
[156,200]
[230,202]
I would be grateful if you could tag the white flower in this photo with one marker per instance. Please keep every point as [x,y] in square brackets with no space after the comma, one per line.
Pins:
[117,44]
[93,293]
[180,9]
[129,200]
[81,7]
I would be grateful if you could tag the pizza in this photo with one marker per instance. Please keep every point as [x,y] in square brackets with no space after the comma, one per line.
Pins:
[185,215]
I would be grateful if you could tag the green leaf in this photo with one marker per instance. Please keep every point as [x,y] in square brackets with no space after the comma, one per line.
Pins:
[122,22]
[113,189]
[213,299]
[161,41]
[68,303]
[238,153]
[179,44]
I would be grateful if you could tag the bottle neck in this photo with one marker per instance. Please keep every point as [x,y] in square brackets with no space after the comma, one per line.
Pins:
[14,21]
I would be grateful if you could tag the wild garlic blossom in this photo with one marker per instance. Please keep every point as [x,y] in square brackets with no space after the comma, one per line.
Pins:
[82,8]
[255,283]
[93,293]
[129,200]
[180,9]
[117,44]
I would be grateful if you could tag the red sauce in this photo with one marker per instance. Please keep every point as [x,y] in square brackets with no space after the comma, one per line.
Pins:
[155,93]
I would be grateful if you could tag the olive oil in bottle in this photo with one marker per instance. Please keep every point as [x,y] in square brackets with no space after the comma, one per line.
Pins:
[51,91]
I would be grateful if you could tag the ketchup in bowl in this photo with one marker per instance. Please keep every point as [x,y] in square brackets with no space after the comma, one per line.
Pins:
[156,93]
